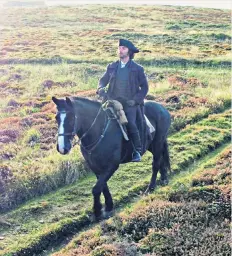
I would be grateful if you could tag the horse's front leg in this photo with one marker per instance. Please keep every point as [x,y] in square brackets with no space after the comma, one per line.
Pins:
[96,191]
[101,186]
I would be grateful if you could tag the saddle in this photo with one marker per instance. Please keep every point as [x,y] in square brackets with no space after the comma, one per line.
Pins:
[114,109]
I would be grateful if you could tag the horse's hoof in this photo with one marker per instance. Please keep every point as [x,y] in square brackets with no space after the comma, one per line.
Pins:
[163,182]
[149,190]
[93,218]
[107,214]
[104,215]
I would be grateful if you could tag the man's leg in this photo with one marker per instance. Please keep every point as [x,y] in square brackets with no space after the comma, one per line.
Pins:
[136,157]
[134,133]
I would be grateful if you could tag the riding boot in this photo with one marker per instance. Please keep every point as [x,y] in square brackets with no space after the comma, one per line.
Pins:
[136,156]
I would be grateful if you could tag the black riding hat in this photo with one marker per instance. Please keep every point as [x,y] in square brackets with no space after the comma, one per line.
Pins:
[128,44]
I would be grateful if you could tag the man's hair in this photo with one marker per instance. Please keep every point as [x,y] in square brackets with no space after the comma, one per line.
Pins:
[131,54]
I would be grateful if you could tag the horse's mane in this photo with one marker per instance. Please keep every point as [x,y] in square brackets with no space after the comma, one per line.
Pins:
[87,101]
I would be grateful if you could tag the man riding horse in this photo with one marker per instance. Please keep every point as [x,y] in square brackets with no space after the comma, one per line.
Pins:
[127,84]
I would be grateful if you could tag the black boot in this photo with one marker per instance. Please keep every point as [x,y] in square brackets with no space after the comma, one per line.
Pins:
[136,156]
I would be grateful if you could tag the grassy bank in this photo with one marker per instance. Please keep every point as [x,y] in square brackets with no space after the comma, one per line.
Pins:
[176,219]
[46,219]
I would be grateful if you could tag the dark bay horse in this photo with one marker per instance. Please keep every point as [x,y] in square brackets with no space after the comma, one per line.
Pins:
[103,145]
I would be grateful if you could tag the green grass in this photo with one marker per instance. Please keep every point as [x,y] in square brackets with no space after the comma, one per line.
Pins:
[89,31]
[156,224]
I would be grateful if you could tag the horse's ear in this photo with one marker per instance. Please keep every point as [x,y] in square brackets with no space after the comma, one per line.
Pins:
[69,102]
[55,100]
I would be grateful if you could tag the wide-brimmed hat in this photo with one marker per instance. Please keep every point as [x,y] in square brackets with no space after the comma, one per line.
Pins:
[128,44]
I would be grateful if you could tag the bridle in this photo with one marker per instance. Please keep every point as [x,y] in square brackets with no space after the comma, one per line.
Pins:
[74,132]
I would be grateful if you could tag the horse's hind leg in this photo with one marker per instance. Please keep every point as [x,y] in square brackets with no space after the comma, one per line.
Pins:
[165,165]
[155,168]
[160,162]
[156,149]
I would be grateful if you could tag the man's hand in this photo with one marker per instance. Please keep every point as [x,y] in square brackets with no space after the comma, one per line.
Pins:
[101,92]
[131,103]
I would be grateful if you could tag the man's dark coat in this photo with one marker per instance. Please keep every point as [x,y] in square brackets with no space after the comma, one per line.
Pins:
[137,81]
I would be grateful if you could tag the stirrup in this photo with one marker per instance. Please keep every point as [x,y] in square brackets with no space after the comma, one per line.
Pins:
[136,157]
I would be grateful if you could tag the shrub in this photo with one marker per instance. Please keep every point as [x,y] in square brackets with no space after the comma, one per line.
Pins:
[32,137]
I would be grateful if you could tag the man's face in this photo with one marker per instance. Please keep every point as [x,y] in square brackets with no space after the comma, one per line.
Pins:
[123,52]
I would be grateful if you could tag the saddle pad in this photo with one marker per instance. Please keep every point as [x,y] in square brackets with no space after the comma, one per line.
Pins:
[151,127]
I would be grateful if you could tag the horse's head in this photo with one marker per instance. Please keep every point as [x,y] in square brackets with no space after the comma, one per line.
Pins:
[67,124]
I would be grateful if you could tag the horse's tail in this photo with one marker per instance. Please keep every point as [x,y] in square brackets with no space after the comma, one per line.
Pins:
[166,158]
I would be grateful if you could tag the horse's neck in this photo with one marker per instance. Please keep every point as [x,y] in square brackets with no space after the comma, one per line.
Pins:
[92,122]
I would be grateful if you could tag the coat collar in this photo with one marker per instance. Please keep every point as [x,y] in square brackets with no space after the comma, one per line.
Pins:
[115,64]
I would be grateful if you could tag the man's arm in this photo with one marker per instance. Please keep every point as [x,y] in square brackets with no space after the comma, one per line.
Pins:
[104,80]
[140,96]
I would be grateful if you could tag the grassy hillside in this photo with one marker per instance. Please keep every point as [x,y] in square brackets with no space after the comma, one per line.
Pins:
[62,51]
[188,217]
